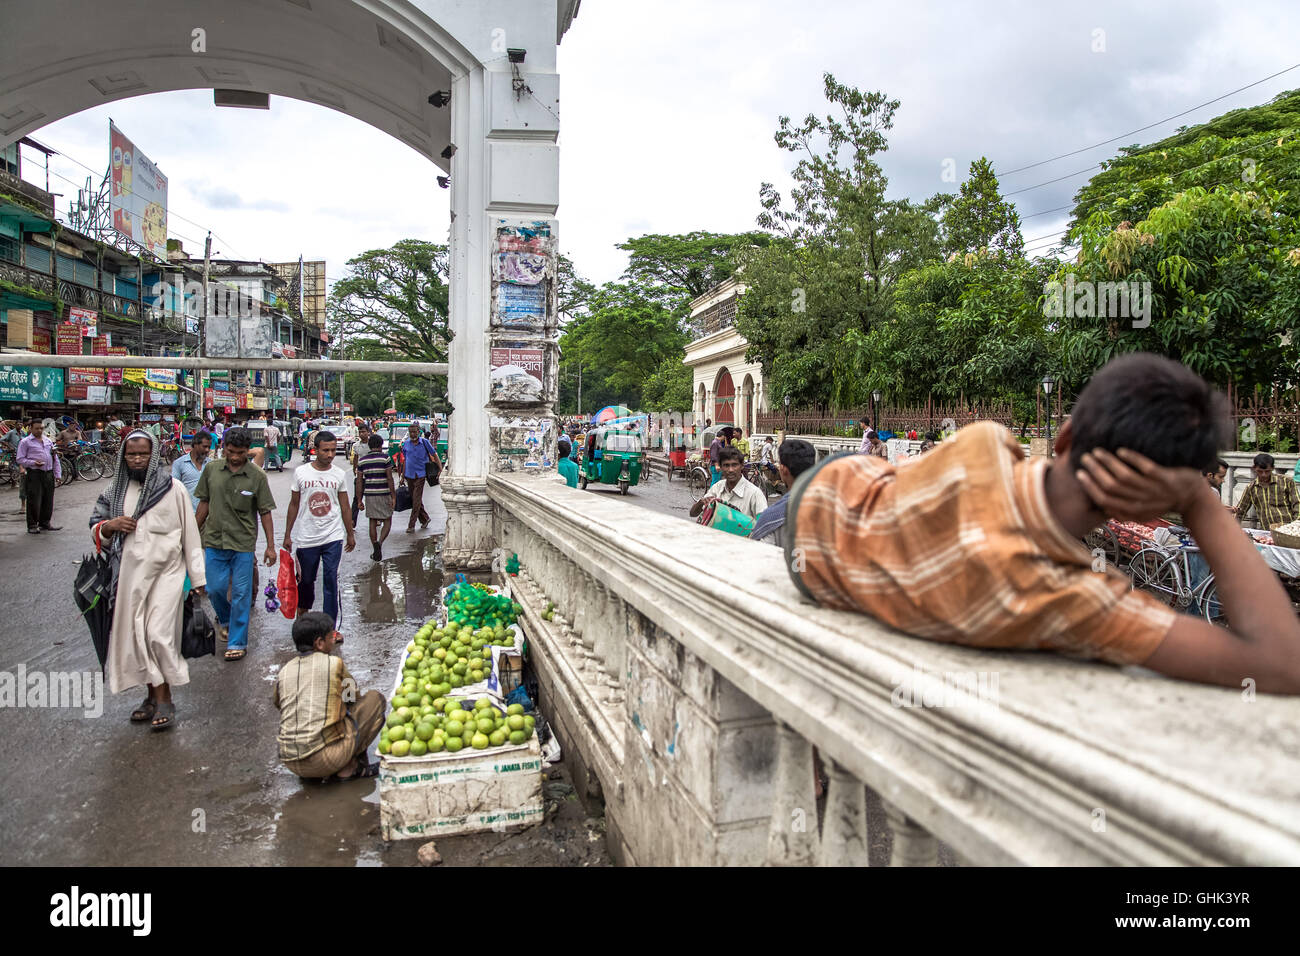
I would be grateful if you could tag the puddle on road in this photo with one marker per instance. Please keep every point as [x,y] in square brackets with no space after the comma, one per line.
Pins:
[406,587]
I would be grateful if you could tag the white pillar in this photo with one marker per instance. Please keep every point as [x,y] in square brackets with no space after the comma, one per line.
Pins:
[505,172]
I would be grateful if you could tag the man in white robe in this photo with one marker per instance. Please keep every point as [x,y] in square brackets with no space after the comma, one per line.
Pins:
[146,522]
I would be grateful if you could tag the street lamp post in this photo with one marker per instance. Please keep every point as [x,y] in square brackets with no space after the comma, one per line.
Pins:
[875,420]
[1048,382]
[787,414]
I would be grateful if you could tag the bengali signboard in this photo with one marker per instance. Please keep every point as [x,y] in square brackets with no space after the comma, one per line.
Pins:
[86,376]
[41,341]
[160,379]
[69,339]
[139,195]
[115,374]
[160,398]
[23,383]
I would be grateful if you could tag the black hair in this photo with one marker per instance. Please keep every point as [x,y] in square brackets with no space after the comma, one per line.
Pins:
[202,435]
[324,436]
[564,445]
[375,442]
[237,437]
[730,453]
[797,455]
[1265,461]
[1214,469]
[1154,406]
[311,626]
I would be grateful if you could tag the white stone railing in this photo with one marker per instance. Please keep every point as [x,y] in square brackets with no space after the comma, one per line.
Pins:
[684,672]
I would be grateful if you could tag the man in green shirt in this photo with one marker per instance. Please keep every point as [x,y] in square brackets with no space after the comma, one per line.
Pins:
[567,467]
[232,492]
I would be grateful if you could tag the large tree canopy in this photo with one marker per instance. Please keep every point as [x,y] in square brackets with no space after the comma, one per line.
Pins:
[673,270]
[393,305]
[621,341]
[840,245]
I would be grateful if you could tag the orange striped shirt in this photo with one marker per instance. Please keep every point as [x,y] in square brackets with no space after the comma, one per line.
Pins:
[959,546]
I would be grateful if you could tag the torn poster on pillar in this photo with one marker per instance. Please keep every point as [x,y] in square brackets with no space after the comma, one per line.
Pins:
[524,268]
[521,444]
[521,306]
[516,376]
[534,236]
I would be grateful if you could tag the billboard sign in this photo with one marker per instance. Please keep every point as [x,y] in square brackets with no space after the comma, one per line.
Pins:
[139,195]
[22,383]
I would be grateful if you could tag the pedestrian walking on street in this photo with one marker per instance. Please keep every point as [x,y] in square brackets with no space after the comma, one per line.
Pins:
[232,494]
[323,736]
[11,440]
[146,522]
[418,454]
[325,526]
[375,483]
[360,448]
[188,468]
[36,454]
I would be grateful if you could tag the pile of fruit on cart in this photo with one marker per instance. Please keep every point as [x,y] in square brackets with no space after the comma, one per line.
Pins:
[445,724]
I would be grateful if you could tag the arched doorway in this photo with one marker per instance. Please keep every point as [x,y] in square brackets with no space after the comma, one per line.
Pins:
[747,406]
[724,399]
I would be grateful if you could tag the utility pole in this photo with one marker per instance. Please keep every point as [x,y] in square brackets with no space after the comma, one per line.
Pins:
[207,267]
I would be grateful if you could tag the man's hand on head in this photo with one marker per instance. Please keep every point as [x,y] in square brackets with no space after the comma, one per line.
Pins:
[1132,487]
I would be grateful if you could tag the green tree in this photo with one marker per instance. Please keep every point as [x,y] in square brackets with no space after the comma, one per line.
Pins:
[1215,262]
[621,341]
[392,305]
[669,388]
[838,248]
[412,401]
[673,270]
[979,218]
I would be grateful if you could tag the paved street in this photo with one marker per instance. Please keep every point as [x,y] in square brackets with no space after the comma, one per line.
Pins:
[105,791]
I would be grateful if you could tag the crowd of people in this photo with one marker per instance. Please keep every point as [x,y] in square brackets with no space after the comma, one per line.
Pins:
[177,532]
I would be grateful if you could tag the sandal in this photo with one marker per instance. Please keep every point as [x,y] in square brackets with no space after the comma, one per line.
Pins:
[235,653]
[363,769]
[145,711]
[166,715]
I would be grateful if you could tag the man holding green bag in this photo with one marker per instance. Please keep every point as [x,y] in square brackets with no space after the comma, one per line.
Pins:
[734,489]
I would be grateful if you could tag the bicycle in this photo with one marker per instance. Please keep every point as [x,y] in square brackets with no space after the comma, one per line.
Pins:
[1167,576]
[9,471]
[698,480]
[86,463]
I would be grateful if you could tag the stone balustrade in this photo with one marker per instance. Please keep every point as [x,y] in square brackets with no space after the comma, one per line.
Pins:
[689,684]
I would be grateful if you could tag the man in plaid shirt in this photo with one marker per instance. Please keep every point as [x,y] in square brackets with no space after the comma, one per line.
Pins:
[1273,496]
[971,544]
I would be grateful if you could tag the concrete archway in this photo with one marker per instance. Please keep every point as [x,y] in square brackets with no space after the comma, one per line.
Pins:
[376,60]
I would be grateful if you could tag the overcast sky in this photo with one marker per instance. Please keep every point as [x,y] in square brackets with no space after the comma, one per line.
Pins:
[668,110]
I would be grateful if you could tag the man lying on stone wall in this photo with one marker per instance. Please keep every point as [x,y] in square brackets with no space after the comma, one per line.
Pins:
[972,544]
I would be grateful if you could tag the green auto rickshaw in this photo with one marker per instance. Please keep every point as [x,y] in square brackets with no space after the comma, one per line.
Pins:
[613,456]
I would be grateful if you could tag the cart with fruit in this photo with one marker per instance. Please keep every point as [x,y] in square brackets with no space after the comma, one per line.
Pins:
[454,758]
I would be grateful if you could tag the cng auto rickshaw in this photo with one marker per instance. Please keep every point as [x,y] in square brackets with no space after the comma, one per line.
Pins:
[613,457]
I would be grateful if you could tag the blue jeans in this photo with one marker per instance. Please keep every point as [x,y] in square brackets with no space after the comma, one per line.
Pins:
[309,560]
[233,570]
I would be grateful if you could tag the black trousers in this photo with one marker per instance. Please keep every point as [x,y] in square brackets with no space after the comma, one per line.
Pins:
[40,497]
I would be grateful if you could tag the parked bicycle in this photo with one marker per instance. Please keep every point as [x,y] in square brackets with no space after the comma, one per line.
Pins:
[1167,575]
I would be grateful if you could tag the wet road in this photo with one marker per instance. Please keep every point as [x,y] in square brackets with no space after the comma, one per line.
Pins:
[86,790]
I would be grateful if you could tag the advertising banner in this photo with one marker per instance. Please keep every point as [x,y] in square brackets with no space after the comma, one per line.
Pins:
[139,195]
[160,379]
[22,383]
[100,345]
[69,339]
[41,341]
[207,398]
[115,374]
[86,376]
[160,398]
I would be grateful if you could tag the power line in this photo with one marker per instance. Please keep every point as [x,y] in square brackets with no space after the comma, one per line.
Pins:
[1141,129]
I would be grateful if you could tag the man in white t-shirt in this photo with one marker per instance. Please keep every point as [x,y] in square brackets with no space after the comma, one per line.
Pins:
[325,523]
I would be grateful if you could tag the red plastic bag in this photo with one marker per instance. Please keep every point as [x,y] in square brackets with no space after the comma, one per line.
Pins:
[286,585]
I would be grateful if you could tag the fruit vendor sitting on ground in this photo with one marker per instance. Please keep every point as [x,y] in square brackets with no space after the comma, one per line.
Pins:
[325,726]
[971,544]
